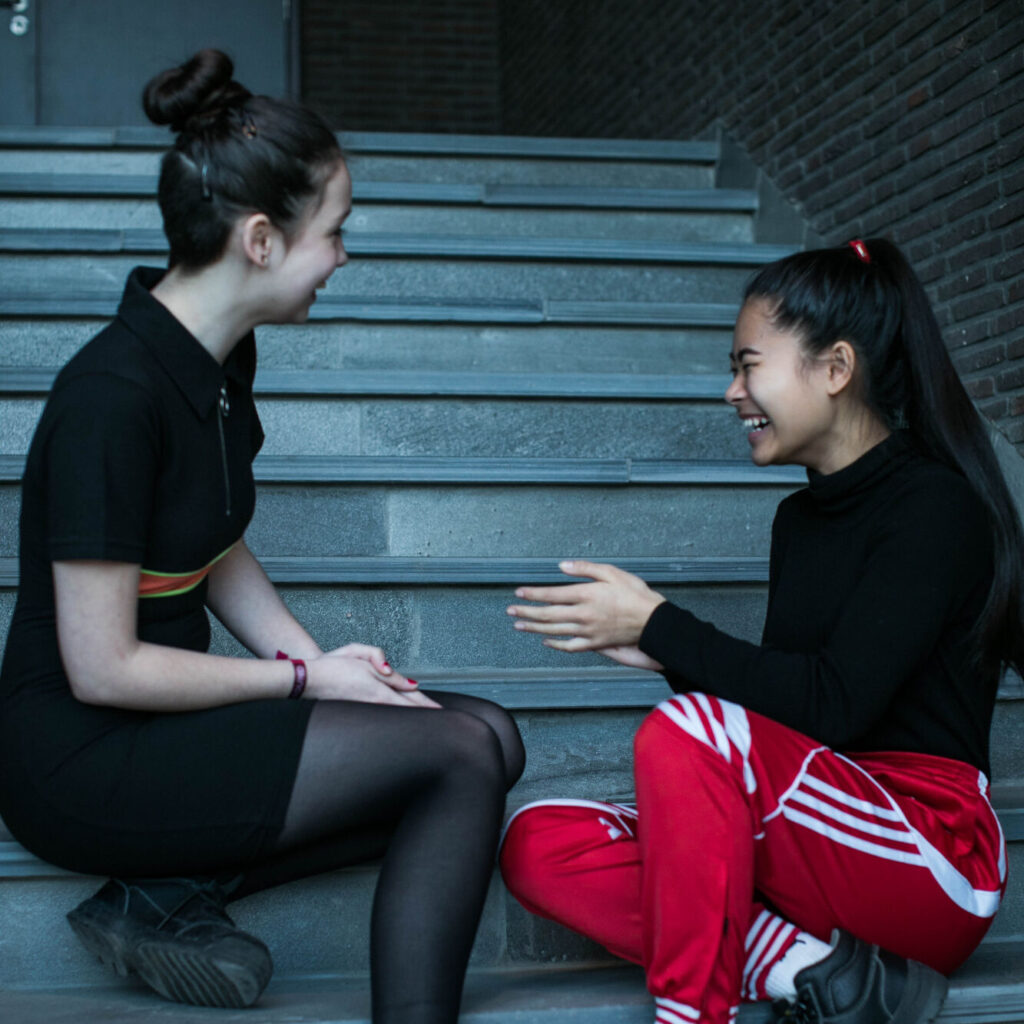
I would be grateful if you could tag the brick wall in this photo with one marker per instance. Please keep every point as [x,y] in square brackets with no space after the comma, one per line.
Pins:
[900,118]
[402,65]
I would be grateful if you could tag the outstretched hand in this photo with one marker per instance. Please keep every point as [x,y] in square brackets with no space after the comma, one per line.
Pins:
[610,612]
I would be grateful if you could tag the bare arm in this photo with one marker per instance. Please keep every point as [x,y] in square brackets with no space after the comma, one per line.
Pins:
[107,664]
[244,599]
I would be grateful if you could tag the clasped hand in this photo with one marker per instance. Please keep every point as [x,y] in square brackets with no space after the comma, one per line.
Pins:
[607,615]
[361,672]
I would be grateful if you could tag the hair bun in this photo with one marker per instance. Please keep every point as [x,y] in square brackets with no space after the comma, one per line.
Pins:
[202,87]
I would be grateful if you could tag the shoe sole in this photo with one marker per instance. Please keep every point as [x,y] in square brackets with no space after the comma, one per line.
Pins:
[101,942]
[923,996]
[177,975]
[200,980]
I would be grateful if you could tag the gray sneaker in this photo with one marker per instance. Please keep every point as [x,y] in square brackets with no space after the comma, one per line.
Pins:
[858,983]
[176,935]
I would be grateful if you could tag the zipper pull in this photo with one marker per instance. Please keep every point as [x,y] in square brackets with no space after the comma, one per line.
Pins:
[223,408]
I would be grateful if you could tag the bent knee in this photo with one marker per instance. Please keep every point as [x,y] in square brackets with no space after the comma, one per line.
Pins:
[470,744]
[504,727]
[692,726]
[529,853]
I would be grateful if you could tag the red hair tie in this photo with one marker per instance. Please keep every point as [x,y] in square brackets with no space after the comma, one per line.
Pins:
[861,250]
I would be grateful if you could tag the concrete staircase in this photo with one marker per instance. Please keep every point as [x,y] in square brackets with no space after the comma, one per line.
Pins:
[523,361]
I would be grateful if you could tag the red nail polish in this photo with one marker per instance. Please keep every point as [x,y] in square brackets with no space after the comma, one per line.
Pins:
[385,664]
[413,681]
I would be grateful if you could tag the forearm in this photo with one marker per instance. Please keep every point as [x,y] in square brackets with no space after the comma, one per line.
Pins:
[107,664]
[150,677]
[241,595]
[826,694]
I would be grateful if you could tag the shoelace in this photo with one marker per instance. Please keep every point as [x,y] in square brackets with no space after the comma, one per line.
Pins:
[208,893]
[794,1013]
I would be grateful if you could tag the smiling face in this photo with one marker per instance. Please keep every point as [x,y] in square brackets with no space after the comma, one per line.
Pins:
[782,396]
[302,264]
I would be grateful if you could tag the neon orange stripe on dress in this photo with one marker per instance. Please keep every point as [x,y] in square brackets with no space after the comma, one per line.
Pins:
[169,584]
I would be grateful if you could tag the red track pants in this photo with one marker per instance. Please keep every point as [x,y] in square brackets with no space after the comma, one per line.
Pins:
[735,814]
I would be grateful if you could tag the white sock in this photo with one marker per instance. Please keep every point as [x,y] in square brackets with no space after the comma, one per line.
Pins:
[804,952]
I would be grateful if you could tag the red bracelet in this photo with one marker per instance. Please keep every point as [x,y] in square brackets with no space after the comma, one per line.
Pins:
[300,678]
[299,684]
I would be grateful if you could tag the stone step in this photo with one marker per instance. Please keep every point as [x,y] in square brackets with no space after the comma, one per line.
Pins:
[59,201]
[433,348]
[431,613]
[578,729]
[497,521]
[497,428]
[462,634]
[145,241]
[525,271]
[313,469]
[348,412]
[82,187]
[151,137]
[100,299]
[335,570]
[317,927]
[35,380]
[578,725]
[988,990]
[372,219]
[443,159]
[510,170]
[441,169]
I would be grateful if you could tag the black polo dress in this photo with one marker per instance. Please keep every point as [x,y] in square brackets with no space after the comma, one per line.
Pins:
[144,455]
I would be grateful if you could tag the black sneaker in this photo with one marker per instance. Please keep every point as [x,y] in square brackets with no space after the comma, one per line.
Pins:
[858,983]
[175,934]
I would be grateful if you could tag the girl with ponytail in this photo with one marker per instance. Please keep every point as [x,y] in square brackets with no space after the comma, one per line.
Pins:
[812,822]
[126,749]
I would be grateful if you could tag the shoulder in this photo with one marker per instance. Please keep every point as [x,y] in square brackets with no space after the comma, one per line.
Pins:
[934,519]
[933,495]
[111,380]
[791,508]
[115,354]
[114,362]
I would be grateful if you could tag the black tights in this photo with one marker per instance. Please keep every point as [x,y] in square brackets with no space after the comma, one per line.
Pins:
[424,789]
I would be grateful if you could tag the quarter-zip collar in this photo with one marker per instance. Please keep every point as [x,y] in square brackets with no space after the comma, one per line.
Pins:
[196,373]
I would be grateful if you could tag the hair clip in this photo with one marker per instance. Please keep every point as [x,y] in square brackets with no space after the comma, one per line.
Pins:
[861,250]
[207,194]
[248,125]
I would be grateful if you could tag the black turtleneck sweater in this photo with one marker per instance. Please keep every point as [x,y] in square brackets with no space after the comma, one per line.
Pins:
[878,574]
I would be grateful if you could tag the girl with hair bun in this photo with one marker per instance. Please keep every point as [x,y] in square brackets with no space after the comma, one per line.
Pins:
[128,750]
[812,822]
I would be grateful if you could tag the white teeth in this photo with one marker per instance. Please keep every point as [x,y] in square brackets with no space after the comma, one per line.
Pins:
[756,422]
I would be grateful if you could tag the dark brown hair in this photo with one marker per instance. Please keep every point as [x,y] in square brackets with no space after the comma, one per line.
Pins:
[880,306]
[235,153]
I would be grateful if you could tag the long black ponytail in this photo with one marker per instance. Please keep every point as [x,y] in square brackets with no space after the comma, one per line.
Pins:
[867,293]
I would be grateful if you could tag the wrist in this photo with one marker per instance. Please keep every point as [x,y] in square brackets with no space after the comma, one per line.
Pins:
[300,675]
[644,612]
